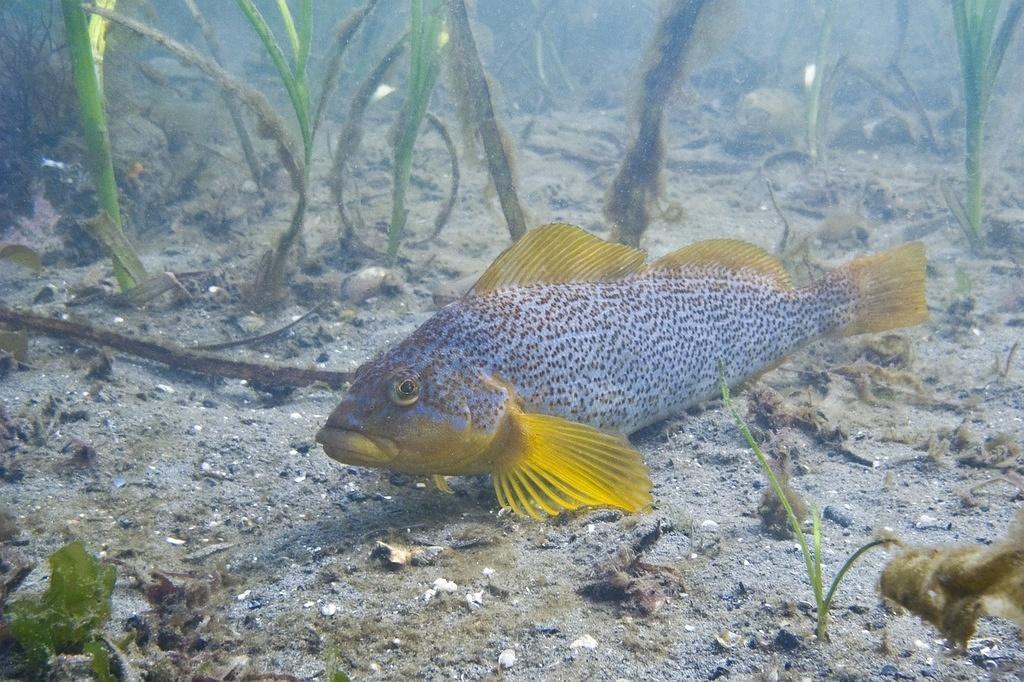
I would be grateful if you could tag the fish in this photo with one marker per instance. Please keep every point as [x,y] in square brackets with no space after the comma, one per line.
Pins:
[568,343]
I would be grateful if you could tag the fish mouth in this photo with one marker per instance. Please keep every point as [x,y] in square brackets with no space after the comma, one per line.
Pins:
[351,447]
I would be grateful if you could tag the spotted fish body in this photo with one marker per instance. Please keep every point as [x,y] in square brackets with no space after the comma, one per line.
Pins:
[567,343]
[624,354]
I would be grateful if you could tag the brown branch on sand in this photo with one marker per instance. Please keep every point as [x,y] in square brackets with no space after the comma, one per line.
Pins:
[171,355]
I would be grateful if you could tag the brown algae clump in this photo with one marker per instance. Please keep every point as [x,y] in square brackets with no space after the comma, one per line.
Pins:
[953,586]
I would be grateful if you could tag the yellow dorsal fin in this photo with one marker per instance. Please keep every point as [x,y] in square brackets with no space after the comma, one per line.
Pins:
[556,253]
[730,254]
[550,464]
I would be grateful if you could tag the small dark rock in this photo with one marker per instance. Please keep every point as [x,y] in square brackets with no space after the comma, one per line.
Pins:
[835,515]
[254,603]
[928,672]
[169,640]
[719,672]
[889,670]
[397,479]
[8,526]
[323,357]
[544,629]
[138,625]
[46,295]
[11,474]
[786,640]
[209,404]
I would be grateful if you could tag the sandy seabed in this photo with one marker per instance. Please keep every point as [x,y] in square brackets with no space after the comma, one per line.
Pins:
[269,547]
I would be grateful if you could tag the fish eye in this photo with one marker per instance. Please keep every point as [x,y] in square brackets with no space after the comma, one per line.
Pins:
[405,391]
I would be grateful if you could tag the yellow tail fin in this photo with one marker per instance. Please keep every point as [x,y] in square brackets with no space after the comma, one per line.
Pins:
[889,289]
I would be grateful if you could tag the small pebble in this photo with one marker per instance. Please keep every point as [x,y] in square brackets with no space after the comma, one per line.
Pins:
[369,282]
[926,522]
[175,541]
[727,639]
[487,572]
[46,295]
[584,642]
[837,516]
[329,609]
[475,599]
[506,659]
[250,323]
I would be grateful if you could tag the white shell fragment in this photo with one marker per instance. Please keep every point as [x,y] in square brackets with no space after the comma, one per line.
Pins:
[475,599]
[445,585]
[506,659]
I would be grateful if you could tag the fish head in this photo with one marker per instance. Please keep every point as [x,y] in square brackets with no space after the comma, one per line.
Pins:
[416,415]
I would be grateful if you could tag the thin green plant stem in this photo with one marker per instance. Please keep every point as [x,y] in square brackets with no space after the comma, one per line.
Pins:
[809,559]
[980,59]
[128,269]
[853,558]
[814,94]
[289,27]
[812,559]
[293,78]
[424,35]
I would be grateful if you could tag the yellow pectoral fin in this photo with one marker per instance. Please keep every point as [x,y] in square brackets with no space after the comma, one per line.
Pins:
[561,465]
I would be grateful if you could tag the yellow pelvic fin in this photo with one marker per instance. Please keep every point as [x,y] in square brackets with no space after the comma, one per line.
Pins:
[890,289]
[442,483]
[555,464]
[731,254]
[556,253]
